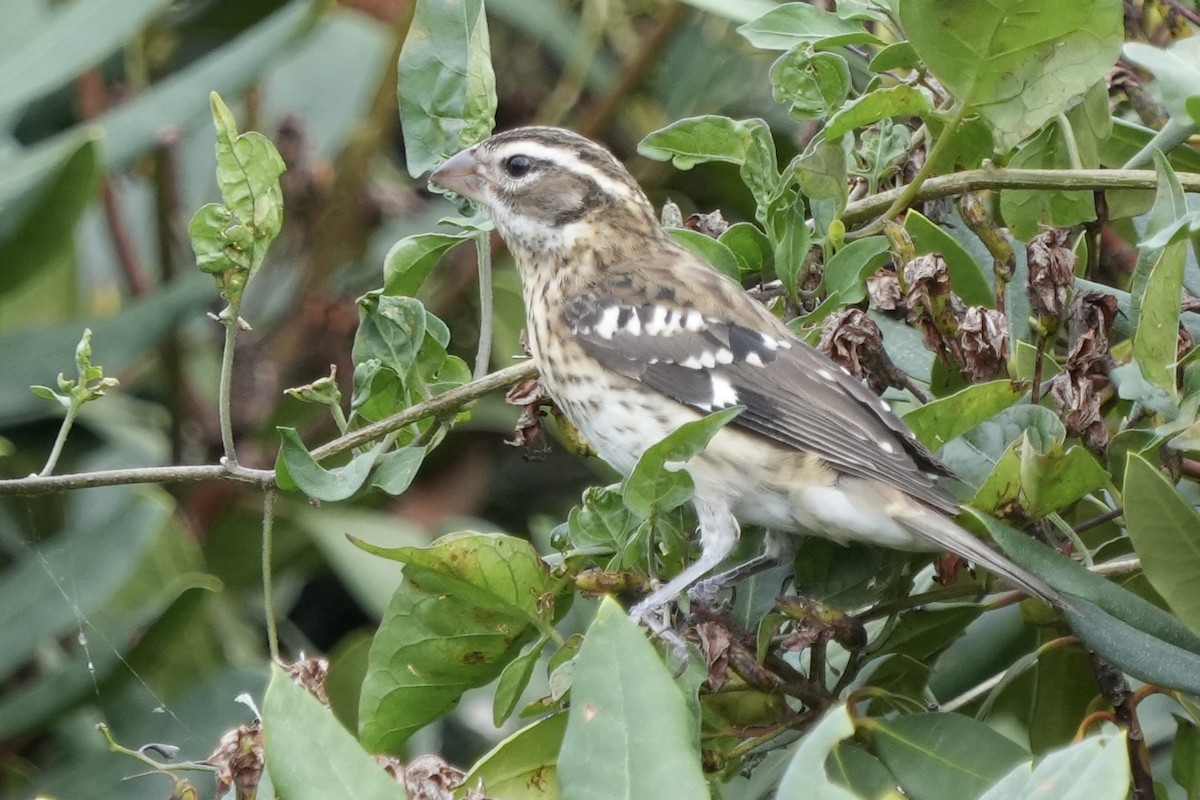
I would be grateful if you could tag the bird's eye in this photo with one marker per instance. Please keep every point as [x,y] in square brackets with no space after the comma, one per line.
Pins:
[518,166]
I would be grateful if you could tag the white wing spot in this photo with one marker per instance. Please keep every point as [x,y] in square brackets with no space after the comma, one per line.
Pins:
[634,325]
[723,393]
[825,374]
[753,359]
[607,325]
[654,326]
[887,447]
[884,405]
[691,362]
[769,342]
[694,321]
[726,356]
[707,359]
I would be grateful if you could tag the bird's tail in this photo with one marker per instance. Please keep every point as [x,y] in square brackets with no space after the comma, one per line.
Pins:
[946,534]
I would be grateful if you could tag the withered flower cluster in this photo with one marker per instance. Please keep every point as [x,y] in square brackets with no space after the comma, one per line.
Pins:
[1076,391]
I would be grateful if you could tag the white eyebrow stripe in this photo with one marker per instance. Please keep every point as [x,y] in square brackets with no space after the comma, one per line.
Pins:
[563,158]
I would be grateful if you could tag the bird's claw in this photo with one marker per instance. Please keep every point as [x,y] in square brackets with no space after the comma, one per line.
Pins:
[655,620]
[704,592]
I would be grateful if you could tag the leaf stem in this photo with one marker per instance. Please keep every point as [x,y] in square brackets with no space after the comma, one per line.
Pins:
[483,356]
[913,189]
[268,579]
[224,389]
[61,439]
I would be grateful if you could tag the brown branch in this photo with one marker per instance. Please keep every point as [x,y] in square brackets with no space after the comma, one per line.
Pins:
[441,406]
[992,177]
[1115,689]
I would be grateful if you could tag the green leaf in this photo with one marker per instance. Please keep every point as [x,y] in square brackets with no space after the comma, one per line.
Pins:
[848,269]
[1095,769]
[805,775]
[941,420]
[1185,760]
[922,636]
[709,249]
[629,733]
[936,756]
[747,143]
[657,482]
[892,101]
[820,171]
[513,680]
[750,247]
[1165,531]
[391,329]
[791,248]
[525,765]
[395,471]
[1175,68]
[310,755]
[861,772]
[813,84]
[992,438]
[1063,693]
[468,603]
[231,240]
[446,88]
[897,55]
[411,259]
[1040,478]
[248,170]
[793,24]
[1018,62]
[1130,632]
[698,140]
[1157,283]
[299,470]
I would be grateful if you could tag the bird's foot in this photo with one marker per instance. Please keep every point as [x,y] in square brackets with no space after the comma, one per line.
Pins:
[655,618]
[705,592]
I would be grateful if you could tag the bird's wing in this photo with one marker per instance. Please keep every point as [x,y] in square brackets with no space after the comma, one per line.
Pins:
[732,354]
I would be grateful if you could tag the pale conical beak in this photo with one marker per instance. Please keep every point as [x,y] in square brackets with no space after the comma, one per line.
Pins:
[461,174]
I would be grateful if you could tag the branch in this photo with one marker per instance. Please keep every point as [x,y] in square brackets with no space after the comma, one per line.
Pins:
[49,484]
[441,406]
[1002,178]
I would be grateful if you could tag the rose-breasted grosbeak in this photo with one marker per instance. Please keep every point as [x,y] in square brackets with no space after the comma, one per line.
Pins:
[635,336]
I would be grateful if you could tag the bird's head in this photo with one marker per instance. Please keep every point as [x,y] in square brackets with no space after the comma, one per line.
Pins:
[548,189]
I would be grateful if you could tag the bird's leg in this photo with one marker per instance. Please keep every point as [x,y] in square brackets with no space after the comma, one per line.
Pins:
[719,532]
[775,548]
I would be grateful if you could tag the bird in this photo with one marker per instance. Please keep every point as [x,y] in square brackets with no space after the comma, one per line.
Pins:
[634,336]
